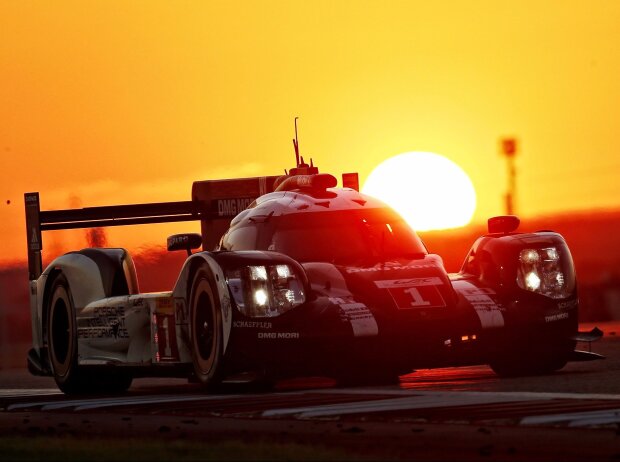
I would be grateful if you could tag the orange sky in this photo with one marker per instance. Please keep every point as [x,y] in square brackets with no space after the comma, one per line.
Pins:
[121,102]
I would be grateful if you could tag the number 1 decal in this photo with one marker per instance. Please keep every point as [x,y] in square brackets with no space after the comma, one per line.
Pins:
[414,293]
[417,297]
[167,348]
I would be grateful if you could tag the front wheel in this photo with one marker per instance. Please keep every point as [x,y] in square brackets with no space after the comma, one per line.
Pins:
[206,329]
[518,367]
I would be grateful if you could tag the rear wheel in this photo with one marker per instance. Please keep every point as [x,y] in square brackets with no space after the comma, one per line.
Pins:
[62,338]
[62,342]
[206,330]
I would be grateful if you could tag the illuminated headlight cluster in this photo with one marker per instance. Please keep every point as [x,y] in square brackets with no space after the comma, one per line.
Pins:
[265,291]
[541,271]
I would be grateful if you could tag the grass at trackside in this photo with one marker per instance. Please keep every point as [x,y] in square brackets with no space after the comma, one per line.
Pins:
[68,449]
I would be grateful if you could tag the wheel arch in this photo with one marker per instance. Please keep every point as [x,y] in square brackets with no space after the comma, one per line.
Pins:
[182,289]
[83,276]
[92,274]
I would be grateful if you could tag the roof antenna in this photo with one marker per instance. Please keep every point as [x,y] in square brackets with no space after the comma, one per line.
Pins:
[301,168]
[296,144]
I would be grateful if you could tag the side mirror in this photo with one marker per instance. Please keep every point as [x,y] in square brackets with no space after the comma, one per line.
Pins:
[503,224]
[187,242]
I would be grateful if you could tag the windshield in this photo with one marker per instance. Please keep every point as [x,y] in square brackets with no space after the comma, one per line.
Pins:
[345,236]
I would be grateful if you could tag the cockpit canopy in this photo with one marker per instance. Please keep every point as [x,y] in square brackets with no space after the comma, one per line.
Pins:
[336,236]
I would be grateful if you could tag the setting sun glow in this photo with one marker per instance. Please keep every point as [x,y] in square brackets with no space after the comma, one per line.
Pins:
[429,191]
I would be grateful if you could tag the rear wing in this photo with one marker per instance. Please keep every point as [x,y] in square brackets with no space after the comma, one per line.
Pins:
[214,203]
[38,220]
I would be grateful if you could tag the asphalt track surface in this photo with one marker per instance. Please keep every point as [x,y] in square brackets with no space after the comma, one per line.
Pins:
[441,414]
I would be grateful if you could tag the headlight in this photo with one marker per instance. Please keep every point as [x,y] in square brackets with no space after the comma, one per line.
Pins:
[543,271]
[265,290]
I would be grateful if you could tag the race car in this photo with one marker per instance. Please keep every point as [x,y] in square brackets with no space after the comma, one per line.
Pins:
[296,277]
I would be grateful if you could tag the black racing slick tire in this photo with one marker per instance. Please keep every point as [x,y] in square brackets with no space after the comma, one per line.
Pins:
[206,329]
[62,338]
[63,349]
[521,367]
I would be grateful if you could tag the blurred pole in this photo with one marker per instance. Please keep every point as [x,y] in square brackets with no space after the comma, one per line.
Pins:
[509,149]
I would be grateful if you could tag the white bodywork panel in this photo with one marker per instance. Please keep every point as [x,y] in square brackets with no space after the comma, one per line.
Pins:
[483,300]
[83,276]
[136,330]
[326,279]
[84,283]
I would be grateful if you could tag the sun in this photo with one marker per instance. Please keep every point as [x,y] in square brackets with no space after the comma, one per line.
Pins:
[428,190]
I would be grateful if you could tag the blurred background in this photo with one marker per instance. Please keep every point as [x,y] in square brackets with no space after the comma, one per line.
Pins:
[112,102]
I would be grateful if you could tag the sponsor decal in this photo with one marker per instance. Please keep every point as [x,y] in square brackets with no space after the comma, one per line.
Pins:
[358,315]
[388,267]
[165,338]
[278,335]
[479,299]
[32,218]
[109,311]
[231,207]
[568,305]
[361,319]
[341,300]
[106,322]
[253,324]
[113,331]
[411,282]
[34,240]
[490,315]
[556,317]
[489,312]
[164,305]
[476,291]
[174,240]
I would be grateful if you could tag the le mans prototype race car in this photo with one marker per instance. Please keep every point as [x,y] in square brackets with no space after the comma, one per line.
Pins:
[304,279]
